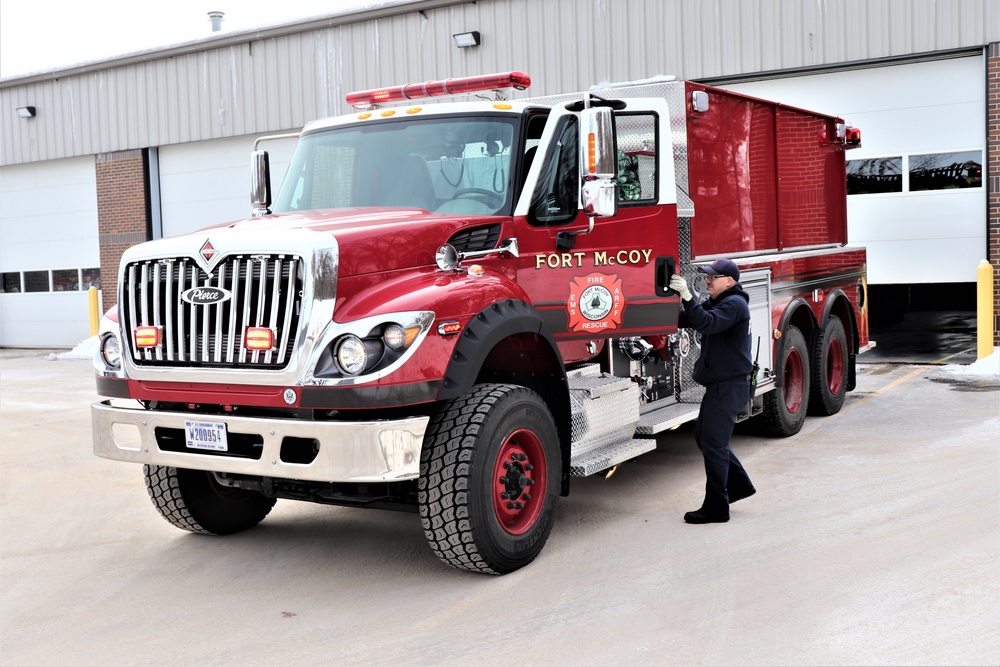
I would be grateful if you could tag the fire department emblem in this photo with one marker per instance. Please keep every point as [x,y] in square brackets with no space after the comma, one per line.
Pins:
[596,303]
[207,251]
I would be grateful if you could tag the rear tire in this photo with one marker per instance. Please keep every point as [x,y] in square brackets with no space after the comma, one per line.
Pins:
[828,359]
[785,407]
[490,472]
[192,500]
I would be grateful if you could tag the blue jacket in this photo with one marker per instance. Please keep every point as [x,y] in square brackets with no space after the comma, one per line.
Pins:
[724,325]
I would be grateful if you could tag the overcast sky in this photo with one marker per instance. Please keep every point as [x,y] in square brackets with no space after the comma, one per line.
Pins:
[36,36]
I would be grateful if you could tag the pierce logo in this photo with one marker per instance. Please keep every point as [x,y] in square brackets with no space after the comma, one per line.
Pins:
[207,250]
[206,296]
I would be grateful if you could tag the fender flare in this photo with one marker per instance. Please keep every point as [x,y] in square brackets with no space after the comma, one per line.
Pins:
[786,317]
[484,330]
[835,296]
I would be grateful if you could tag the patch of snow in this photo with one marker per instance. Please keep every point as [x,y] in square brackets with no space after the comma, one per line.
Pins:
[84,350]
[986,366]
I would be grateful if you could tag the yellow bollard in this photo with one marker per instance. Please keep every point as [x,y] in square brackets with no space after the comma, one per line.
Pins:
[95,316]
[984,309]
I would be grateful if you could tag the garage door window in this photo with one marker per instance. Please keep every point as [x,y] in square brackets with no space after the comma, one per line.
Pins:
[65,280]
[91,278]
[36,281]
[12,282]
[946,171]
[873,175]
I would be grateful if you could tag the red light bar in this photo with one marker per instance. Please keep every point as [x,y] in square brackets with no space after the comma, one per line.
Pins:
[853,135]
[365,98]
[258,338]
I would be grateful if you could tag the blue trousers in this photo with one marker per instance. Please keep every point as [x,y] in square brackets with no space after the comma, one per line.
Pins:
[722,402]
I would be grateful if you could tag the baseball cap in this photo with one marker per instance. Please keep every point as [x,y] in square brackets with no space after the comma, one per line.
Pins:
[722,267]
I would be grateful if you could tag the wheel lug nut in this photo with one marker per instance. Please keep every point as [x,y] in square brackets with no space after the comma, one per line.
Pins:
[507,465]
[503,480]
[519,506]
[511,506]
[528,481]
[526,496]
[528,466]
[505,496]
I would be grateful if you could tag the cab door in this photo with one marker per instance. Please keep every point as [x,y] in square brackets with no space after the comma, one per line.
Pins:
[611,281]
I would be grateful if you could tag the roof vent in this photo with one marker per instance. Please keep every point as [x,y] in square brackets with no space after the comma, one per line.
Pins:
[216,18]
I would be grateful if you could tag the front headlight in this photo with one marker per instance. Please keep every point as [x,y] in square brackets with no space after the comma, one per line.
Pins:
[111,352]
[352,356]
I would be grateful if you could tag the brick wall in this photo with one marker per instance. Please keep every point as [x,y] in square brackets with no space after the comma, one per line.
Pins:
[993,174]
[122,212]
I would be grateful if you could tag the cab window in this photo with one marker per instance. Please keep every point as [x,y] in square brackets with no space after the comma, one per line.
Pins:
[557,194]
[637,150]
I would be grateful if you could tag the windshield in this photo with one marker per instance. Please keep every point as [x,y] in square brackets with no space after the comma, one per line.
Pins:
[451,165]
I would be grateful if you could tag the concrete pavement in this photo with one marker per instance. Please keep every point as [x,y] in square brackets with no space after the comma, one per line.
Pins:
[874,538]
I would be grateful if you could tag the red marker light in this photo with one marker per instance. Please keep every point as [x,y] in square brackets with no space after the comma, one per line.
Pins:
[365,98]
[147,336]
[258,338]
[853,135]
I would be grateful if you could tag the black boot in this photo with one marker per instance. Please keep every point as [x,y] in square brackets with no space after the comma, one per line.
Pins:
[704,516]
[741,493]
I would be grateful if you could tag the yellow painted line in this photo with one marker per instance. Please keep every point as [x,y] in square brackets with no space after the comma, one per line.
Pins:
[899,381]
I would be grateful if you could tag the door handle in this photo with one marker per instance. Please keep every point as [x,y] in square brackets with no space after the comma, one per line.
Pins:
[665,267]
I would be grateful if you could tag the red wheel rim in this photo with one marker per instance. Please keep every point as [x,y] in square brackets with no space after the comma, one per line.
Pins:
[794,381]
[834,366]
[519,480]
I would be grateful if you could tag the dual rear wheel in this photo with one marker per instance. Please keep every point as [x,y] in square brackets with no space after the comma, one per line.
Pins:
[813,377]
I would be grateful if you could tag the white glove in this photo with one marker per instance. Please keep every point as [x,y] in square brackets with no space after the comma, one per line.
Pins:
[680,286]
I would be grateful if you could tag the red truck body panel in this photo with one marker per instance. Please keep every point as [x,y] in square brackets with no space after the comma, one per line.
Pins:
[763,176]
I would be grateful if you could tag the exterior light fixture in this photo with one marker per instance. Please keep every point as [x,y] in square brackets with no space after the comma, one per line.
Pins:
[464,40]
[26,112]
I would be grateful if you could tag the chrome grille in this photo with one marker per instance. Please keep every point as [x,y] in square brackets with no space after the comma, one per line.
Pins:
[265,291]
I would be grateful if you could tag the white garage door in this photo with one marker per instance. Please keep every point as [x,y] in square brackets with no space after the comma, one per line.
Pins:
[208,183]
[49,254]
[920,200]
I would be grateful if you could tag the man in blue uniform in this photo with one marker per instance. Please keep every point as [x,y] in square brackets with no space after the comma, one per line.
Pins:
[724,367]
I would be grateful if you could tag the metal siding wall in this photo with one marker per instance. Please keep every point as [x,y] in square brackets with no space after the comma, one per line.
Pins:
[283,82]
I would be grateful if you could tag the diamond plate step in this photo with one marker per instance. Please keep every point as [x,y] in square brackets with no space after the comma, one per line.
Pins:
[589,370]
[597,386]
[607,456]
[657,421]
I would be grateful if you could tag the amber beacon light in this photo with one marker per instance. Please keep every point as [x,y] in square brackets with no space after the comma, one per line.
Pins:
[363,99]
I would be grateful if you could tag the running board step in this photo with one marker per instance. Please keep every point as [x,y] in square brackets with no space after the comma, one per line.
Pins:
[667,417]
[608,456]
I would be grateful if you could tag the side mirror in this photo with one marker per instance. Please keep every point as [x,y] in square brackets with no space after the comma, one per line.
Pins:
[600,199]
[260,183]
[598,162]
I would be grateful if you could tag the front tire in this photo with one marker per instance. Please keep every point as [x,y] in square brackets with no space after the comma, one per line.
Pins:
[785,407]
[828,358]
[192,500]
[489,479]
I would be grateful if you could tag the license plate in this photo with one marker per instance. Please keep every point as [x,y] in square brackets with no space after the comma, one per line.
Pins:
[206,435]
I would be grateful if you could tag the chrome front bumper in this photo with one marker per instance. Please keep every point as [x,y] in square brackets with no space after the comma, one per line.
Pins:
[362,451]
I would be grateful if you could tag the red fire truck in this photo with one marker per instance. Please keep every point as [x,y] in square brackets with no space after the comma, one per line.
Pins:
[455,308]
